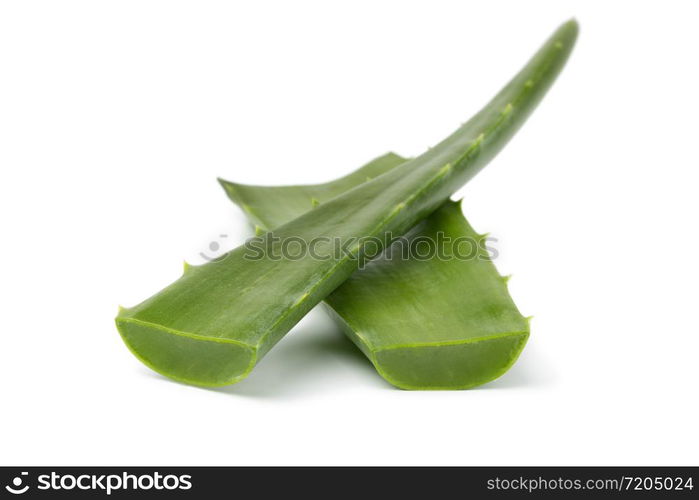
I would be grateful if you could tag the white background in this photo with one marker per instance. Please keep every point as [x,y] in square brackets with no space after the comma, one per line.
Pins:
[116,118]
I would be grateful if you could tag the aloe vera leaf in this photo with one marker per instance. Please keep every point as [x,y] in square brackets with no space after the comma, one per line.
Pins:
[211,326]
[423,323]
[268,207]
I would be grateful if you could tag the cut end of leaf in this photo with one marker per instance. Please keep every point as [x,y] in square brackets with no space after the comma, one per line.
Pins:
[461,365]
[187,358]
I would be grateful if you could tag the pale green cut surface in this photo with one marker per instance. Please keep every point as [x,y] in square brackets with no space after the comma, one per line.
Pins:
[424,324]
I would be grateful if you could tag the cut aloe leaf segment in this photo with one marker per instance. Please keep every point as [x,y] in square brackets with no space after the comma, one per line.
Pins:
[211,326]
[446,322]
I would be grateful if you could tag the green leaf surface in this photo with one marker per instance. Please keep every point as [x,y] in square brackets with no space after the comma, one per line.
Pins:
[213,324]
[425,323]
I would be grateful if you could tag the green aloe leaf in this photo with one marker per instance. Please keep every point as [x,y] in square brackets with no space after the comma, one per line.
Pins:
[425,323]
[211,326]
